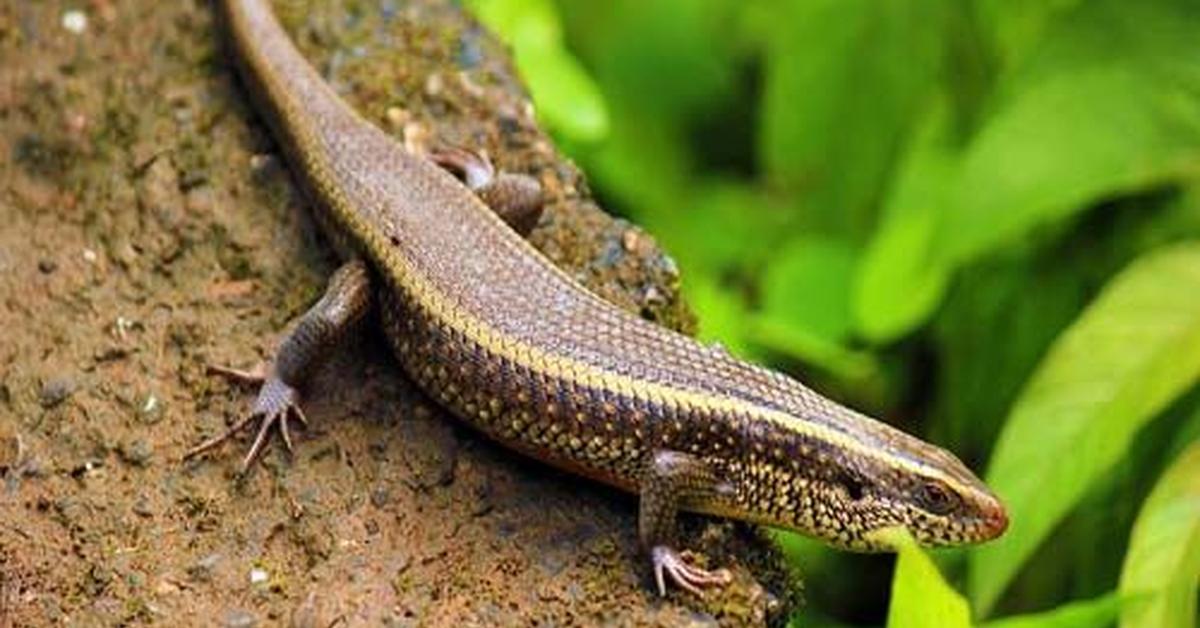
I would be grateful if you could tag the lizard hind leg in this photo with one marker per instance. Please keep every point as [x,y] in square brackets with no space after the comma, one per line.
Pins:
[345,303]
[516,198]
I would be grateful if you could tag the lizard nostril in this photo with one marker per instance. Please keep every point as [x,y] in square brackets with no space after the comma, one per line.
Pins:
[997,520]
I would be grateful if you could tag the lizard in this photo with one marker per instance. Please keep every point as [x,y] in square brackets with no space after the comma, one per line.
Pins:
[498,335]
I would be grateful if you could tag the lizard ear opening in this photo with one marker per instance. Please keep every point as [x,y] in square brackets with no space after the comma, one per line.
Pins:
[853,485]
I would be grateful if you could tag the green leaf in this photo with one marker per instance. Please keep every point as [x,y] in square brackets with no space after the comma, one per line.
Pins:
[721,313]
[843,81]
[1162,565]
[1048,149]
[672,61]
[898,284]
[807,285]
[805,312]
[1086,614]
[854,368]
[920,596]
[720,226]
[566,97]
[1105,108]
[1017,25]
[1134,349]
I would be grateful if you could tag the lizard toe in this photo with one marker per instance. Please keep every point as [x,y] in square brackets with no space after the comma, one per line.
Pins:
[672,565]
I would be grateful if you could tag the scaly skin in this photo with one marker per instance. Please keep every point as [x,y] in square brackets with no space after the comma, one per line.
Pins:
[509,343]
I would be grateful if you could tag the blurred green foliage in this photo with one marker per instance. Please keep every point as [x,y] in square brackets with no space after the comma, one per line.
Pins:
[979,220]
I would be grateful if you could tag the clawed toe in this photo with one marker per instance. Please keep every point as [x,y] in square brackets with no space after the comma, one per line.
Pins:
[475,169]
[669,563]
[277,403]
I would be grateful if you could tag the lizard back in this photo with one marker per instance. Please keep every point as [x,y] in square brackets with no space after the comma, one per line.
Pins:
[491,328]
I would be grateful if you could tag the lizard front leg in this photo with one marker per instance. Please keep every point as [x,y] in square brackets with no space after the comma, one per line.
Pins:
[346,301]
[674,480]
[516,198]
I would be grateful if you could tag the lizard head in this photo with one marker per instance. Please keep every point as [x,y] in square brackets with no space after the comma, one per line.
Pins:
[937,499]
[846,486]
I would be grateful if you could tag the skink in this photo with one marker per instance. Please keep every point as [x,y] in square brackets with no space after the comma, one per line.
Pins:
[492,330]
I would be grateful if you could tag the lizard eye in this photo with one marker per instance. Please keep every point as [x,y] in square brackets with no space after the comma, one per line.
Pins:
[937,498]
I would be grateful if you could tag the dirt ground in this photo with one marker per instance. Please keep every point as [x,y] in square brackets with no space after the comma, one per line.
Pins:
[147,228]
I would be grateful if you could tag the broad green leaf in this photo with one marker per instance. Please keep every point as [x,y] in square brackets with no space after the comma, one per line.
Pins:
[1162,565]
[1134,349]
[990,336]
[806,284]
[898,283]
[1186,434]
[1017,25]
[720,226]
[843,81]
[1086,614]
[1029,167]
[920,596]
[565,96]
[1106,107]
[641,165]
[673,61]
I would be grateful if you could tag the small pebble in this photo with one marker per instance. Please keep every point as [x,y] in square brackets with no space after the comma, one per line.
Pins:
[260,162]
[150,410]
[667,264]
[629,240]
[238,618]
[652,296]
[434,85]
[123,325]
[396,117]
[89,468]
[470,54]
[387,9]
[203,569]
[109,354]
[56,390]
[90,256]
[142,508]
[137,453]
[75,21]
[258,575]
[76,122]
[33,467]
[380,496]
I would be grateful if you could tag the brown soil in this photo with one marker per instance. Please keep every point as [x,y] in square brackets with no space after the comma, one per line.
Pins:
[147,229]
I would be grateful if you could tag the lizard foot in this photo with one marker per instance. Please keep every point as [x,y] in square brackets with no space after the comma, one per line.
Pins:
[688,577]
[277,403]
[516,198]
